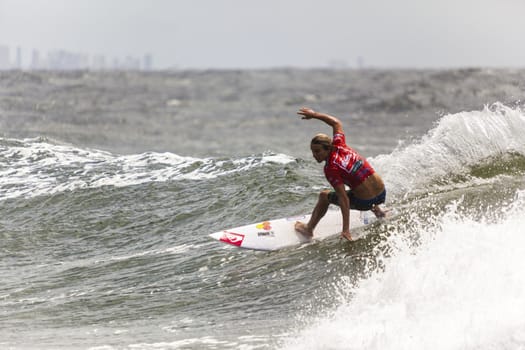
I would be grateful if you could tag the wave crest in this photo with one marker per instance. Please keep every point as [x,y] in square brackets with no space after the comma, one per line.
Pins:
[458,145]
[35,167]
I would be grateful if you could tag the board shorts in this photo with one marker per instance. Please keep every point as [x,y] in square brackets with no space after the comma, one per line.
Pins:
[358,203]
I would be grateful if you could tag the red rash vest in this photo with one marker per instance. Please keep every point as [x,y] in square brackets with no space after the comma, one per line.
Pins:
[345,166]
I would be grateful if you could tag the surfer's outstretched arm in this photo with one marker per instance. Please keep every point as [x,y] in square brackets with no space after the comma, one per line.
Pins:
[334,122]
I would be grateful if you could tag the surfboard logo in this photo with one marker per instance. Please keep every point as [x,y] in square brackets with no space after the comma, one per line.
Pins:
[264,226]
[266,234]
[232,238]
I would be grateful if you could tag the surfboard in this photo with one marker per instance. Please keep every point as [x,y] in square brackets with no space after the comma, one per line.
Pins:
[280,233]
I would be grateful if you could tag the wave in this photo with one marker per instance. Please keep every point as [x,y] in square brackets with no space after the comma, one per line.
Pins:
[461,146]
[460,287]
[449,278]
[41,166]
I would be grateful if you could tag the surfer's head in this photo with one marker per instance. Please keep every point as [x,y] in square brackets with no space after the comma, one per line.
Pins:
[321,146]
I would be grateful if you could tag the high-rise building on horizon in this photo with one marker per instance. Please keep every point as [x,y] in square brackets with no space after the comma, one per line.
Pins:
[4,57]
[35,59]
[148,62]
[18,62]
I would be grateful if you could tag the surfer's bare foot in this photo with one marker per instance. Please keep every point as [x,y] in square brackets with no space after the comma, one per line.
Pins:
[380,213]
[303,229]
[347,236]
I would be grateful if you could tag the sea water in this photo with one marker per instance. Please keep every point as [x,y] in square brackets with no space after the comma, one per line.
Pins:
[461,287]
[110,184]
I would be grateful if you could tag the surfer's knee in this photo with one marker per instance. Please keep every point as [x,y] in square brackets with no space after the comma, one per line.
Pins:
[323,197]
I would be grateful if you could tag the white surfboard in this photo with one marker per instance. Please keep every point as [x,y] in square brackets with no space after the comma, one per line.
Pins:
[280,233]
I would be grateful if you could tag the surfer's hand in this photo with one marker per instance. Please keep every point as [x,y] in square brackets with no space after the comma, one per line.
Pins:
[307,113]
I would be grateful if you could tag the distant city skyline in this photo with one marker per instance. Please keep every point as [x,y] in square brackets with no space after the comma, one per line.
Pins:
[241,34]
[17,57]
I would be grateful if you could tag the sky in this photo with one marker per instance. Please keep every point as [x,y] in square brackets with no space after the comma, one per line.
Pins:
[238,34]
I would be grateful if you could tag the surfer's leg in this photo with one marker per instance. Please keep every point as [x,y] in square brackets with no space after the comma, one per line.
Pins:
[319,211]
[376,209]
[379,213]
[369,204]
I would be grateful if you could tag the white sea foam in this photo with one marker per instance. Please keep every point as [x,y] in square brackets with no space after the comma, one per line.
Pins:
[462,287]
[180,249]
[208,342]
[34,167]
[456,142]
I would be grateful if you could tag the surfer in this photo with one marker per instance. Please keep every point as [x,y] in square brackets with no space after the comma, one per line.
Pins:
[343,166]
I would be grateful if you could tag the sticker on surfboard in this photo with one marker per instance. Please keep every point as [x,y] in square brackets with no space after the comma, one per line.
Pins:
[232,238]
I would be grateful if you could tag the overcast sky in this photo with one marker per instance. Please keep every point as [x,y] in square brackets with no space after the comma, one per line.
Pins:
[275,33]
